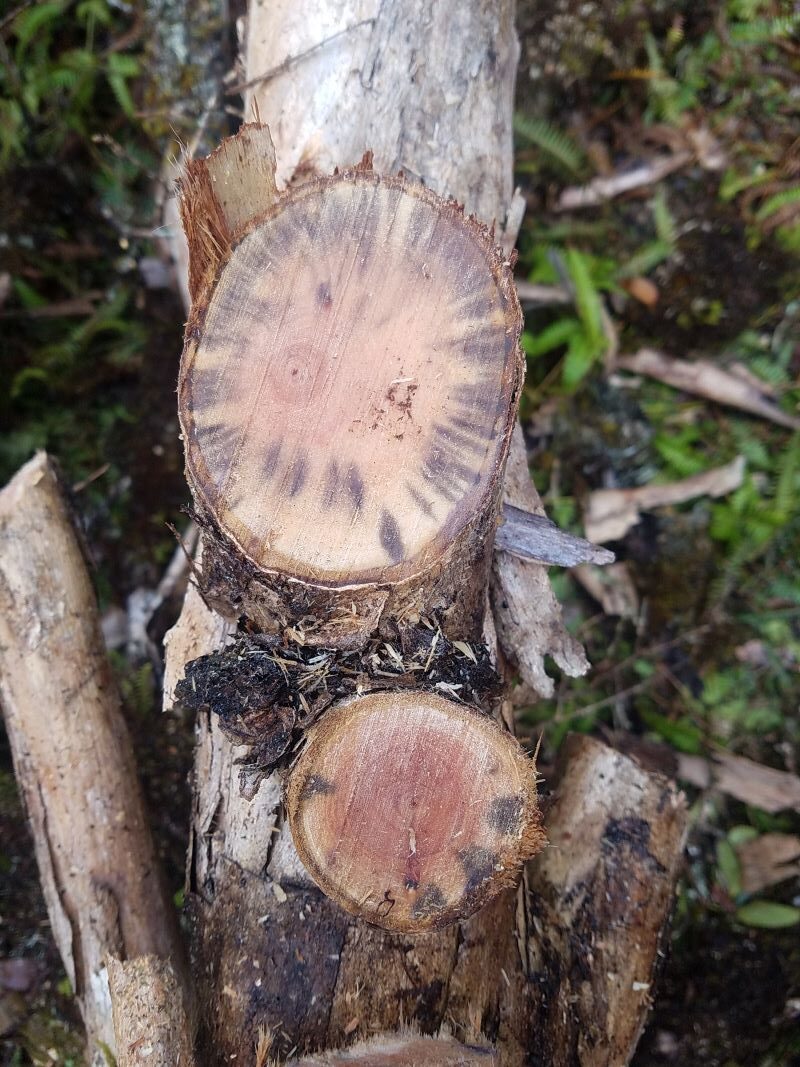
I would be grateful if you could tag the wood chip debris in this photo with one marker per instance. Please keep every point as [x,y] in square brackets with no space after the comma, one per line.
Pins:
[766,788]
[610,513]
[703,378]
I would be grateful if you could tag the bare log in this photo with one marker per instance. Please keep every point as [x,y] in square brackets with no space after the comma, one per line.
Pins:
[429,88]
[72,754]
[151,1020]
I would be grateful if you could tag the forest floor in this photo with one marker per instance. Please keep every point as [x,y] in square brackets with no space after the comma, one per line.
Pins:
[694,635]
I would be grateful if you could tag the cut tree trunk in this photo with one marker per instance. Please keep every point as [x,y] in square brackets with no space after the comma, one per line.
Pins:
[72,755]
[347,395]
[311,385]
[444,780]
[429,89]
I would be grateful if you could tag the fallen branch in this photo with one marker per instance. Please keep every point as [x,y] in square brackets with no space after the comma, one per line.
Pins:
[710,381]
[151,1019]
[610,513]
[596,900]
[72,754]
[603,188]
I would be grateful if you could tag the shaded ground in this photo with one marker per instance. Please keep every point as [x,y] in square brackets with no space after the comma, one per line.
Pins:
[710,655]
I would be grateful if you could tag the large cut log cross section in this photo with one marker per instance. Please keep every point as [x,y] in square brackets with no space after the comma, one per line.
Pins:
[347,395]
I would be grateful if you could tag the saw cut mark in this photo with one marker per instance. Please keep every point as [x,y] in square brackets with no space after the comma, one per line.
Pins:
[358,359]
[428,808]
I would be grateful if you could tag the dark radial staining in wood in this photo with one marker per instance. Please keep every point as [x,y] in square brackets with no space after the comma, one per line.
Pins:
[391,538]
[357,355]
[429,808]
[505,814]
[271,459]
[299,472]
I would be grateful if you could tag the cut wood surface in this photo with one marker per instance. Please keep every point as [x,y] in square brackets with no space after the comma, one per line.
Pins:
[393,1050]
[411,810]
[357,361]
[72,754]
[351,354]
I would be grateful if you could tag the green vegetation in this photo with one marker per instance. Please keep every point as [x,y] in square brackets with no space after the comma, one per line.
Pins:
[705,262]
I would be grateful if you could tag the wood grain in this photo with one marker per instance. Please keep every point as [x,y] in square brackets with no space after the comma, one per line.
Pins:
[411,810]
[357,364]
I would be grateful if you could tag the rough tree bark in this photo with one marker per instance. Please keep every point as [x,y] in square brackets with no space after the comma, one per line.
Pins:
[151,1020]
[428,88]
[72,755]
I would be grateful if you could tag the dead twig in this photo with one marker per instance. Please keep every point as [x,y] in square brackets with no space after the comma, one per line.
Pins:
[601,189]
[542,295]
[535,537]
[703,378]
[752,783]
[610,513]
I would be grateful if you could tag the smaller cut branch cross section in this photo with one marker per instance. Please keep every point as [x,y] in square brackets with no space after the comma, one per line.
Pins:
[411,810]
[347,394]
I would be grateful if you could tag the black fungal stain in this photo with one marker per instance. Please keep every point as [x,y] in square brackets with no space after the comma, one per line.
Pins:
[317,786]
[355,488]
[324,297]
[505,814]
[271,459]
[633,834]
[299,473]
[459,440]
[430,901]
[424,505]
[479,864]
[390,537]
[331,491]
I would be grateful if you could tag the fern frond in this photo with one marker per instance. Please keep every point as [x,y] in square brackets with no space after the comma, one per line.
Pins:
[557,144]
[647,258]
[762,31]
[778,201]
[666,230]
